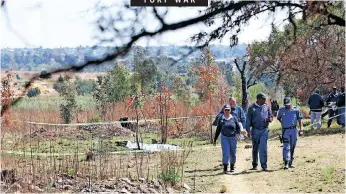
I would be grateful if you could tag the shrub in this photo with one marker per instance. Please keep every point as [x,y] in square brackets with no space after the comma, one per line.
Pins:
[60,79]
[96,118]
[33,92]
[85,86]
[171,175]
[172,164]
[68,108]
[45,75]
[60,87]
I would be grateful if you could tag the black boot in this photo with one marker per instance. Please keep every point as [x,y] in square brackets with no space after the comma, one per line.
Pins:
[232,167]
[254,166]
[286,165]
[225,166]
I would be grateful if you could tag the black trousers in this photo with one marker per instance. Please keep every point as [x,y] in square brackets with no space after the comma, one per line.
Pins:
[331,113]
[324,114]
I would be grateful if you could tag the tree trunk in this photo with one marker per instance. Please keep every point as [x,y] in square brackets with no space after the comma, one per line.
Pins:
[244,102]
[210,121]
[163,141]
[137,128]
[164,129]
[166,123]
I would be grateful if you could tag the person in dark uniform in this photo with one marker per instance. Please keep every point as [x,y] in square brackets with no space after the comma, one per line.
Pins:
[341,107]
[316,104]
[275,107]
[236,111]
[229,128]
[332,108]
[289,117]
[259,115]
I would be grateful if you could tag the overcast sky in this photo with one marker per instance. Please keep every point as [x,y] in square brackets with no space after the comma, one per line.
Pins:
[66,23]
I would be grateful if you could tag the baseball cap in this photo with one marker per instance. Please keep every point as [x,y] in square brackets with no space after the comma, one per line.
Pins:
[261,95]
[228,107]
[287,101]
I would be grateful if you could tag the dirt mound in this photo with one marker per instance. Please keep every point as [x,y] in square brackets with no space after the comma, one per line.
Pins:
[124,185]
[80,132]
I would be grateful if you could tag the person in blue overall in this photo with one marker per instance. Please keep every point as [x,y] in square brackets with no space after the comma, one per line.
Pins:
[289,116]
[259,115]
[229,128]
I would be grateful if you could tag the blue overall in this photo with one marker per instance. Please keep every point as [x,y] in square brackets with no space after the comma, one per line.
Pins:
[341,109]
[341,118]
[229,148]
[289,119]
[256,120]
[228,129]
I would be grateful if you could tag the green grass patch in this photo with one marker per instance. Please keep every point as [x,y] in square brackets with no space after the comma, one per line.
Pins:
[53,103]
[328,174]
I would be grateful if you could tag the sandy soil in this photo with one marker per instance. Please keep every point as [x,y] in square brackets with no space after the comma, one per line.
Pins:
[319,161]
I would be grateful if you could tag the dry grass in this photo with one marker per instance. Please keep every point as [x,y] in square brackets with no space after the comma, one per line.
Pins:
[319,159]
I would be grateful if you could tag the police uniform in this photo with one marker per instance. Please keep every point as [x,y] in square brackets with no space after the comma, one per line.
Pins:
[341,108]
[331,102]
[229,129]
[256,121]
[289,119]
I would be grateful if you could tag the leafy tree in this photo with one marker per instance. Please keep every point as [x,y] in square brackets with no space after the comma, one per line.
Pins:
[180,89]
[85,86]
[61,85]
[116,86]
[315,59]
[146,70]
[207,80]
[69,107]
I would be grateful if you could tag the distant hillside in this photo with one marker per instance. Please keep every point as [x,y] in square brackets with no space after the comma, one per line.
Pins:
[38,59]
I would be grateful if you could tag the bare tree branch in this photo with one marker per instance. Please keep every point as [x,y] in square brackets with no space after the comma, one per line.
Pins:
[235,14]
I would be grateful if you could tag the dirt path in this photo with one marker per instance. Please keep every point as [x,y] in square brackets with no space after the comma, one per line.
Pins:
[319,161]
[235,182]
